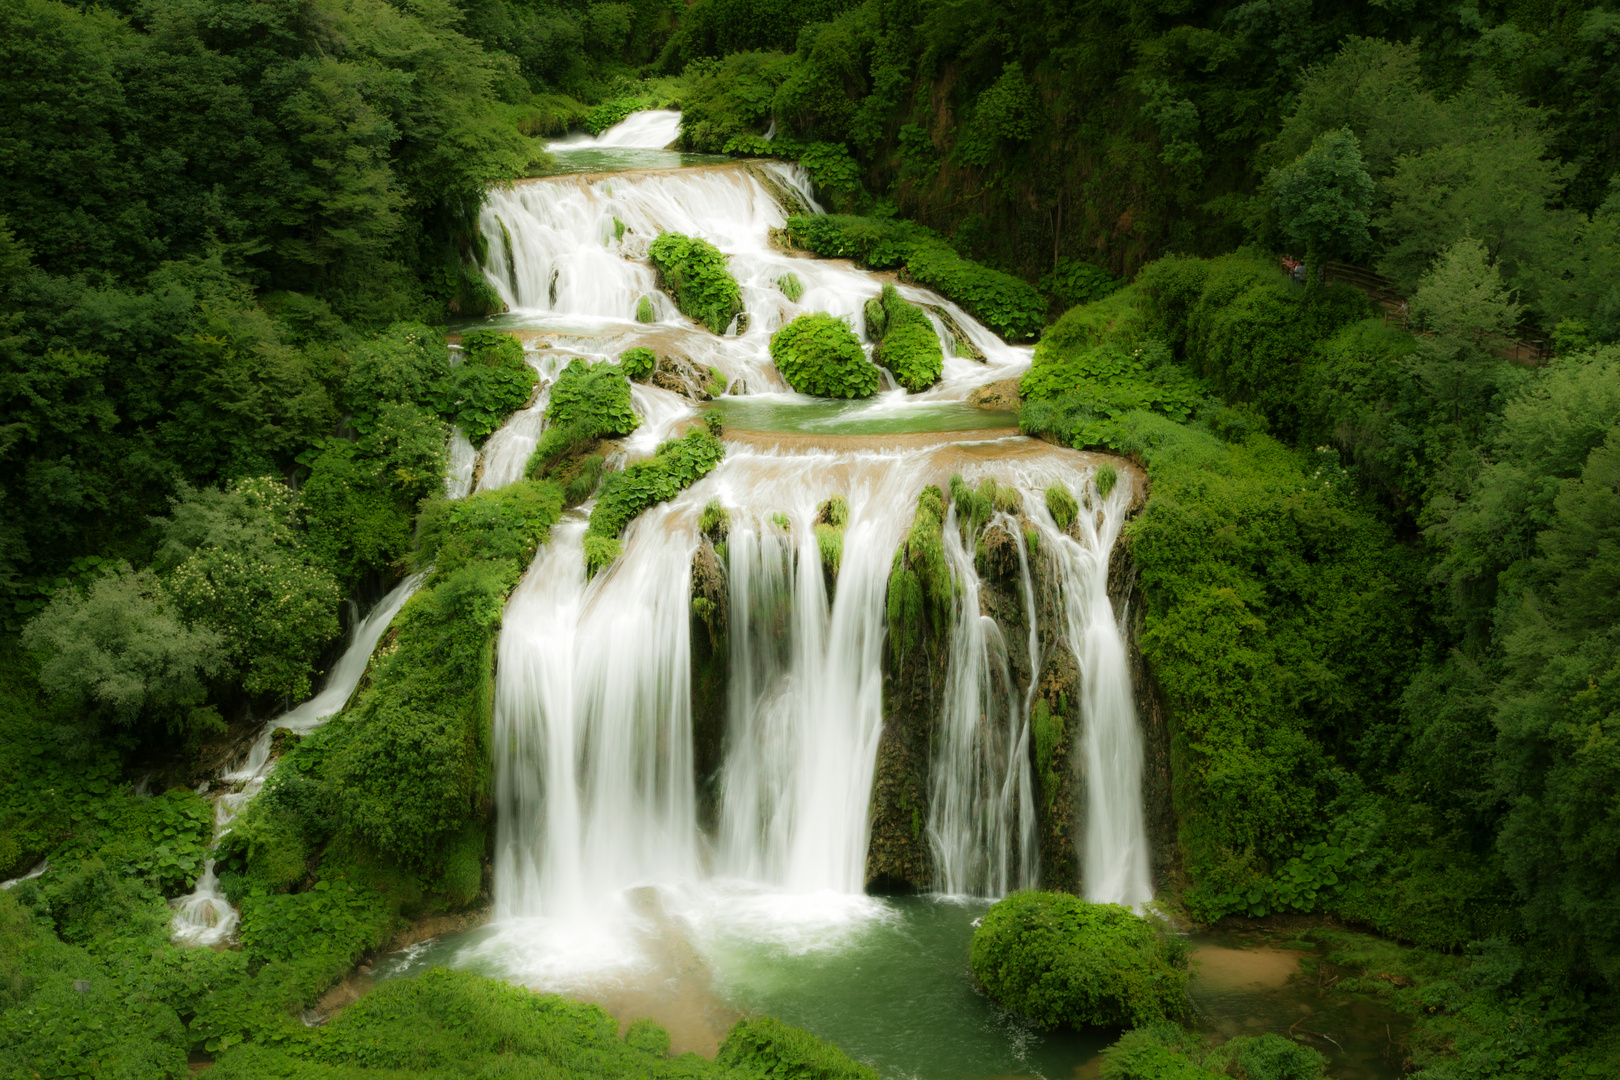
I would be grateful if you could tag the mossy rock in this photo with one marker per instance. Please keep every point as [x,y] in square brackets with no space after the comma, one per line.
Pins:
[819,354]
[906,342]
[1059,960]
[696,274]
[639,363]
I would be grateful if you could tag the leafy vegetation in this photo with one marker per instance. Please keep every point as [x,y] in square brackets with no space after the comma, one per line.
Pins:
[906,343]
[1006,304]
[818,353]
[696,274]
[1056,959]
[675,467]
[491,383]
[638,363]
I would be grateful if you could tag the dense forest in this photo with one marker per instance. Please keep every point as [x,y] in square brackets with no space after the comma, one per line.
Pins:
[1381,559]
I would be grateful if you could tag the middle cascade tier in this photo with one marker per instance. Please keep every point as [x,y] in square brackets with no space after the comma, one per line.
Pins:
[828,668]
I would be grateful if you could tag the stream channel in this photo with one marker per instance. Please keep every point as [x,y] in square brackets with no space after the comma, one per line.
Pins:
[607,887]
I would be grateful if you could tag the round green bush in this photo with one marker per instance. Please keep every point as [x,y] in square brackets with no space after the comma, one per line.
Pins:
[906,342]
[638,363]
[697,274]
[818,354]
[1057,959]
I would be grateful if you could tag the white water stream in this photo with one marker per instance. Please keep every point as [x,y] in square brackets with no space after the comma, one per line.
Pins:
[204,916]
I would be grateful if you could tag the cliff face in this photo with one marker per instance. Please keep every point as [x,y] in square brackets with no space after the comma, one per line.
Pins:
[710,651]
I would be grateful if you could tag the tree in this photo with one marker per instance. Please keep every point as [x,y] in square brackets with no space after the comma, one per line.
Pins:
[1463,295]
[1324,198]
[123,651]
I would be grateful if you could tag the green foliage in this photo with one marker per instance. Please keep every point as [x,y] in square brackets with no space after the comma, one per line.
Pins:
[595,398]
[675,467]
[1060,503]
[1007,305]
[768,1048]
[696,274]
[920,587]
[1049,727]
[791,286]
[715,521]
[237,562]
[1164,1051]
[1463,295]
[906,343]
[505,524]
[491,383]
[818,353]
[1074,282]
[644,310]
[638,363]
[1059,960]
[408,362]
[1323,198]
[123,652]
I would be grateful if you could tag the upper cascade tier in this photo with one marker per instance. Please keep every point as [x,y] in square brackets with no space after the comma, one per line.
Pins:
[568,255]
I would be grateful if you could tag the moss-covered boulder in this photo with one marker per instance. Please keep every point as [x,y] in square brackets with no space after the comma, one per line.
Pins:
[696,275]
[638,363]
[819,354]
[1057,960]
[906,342]
[491,383]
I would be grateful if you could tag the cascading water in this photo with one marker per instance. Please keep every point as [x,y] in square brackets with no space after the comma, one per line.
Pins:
[981,820]
[205,916]
[601,861]
[1116,858]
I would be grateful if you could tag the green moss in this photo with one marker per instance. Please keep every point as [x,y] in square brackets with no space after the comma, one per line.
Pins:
[1060,503]
[644,310]
[600,551]
[920,588]
[906,342]
[1049,728]
[791,286]
[1105,479]
[618,229]
[830,541]
[1165,1051]
[715,387]
[715,522]
[696,274]
[1059,960]
[818,353]
[638,363]
[877,320]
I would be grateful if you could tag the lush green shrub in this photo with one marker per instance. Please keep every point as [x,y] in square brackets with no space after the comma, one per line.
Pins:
[491,383]
[818,353]
[1165,1051]
[638,363]
[906,343]
[766,1049]
[676,466]
[695,272]
[791,286]
[594,397]
[1093,367]
[1074,282]
[1057,959]
[644,310]
[409,362]
[236,561]
[504,524]
[1009,306]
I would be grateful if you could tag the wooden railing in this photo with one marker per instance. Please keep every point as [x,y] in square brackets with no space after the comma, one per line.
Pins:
[1530,348]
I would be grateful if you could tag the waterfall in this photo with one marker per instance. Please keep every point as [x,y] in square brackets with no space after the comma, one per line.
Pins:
[1114,849]
[204,916]
[981,818]
[805,704]
[593,725]
[651,129]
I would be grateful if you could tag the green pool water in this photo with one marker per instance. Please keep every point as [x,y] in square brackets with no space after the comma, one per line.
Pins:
[830,417]
[624,159]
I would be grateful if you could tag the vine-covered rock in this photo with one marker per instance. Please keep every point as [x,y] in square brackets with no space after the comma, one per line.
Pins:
[677,465]
[1059,960]
[819,354]
[696,275]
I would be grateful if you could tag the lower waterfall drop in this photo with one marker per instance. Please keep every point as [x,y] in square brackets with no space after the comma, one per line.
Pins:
[1114,850]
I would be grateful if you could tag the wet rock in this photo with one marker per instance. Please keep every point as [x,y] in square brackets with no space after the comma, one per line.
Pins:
[710,652]
[1001,395]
